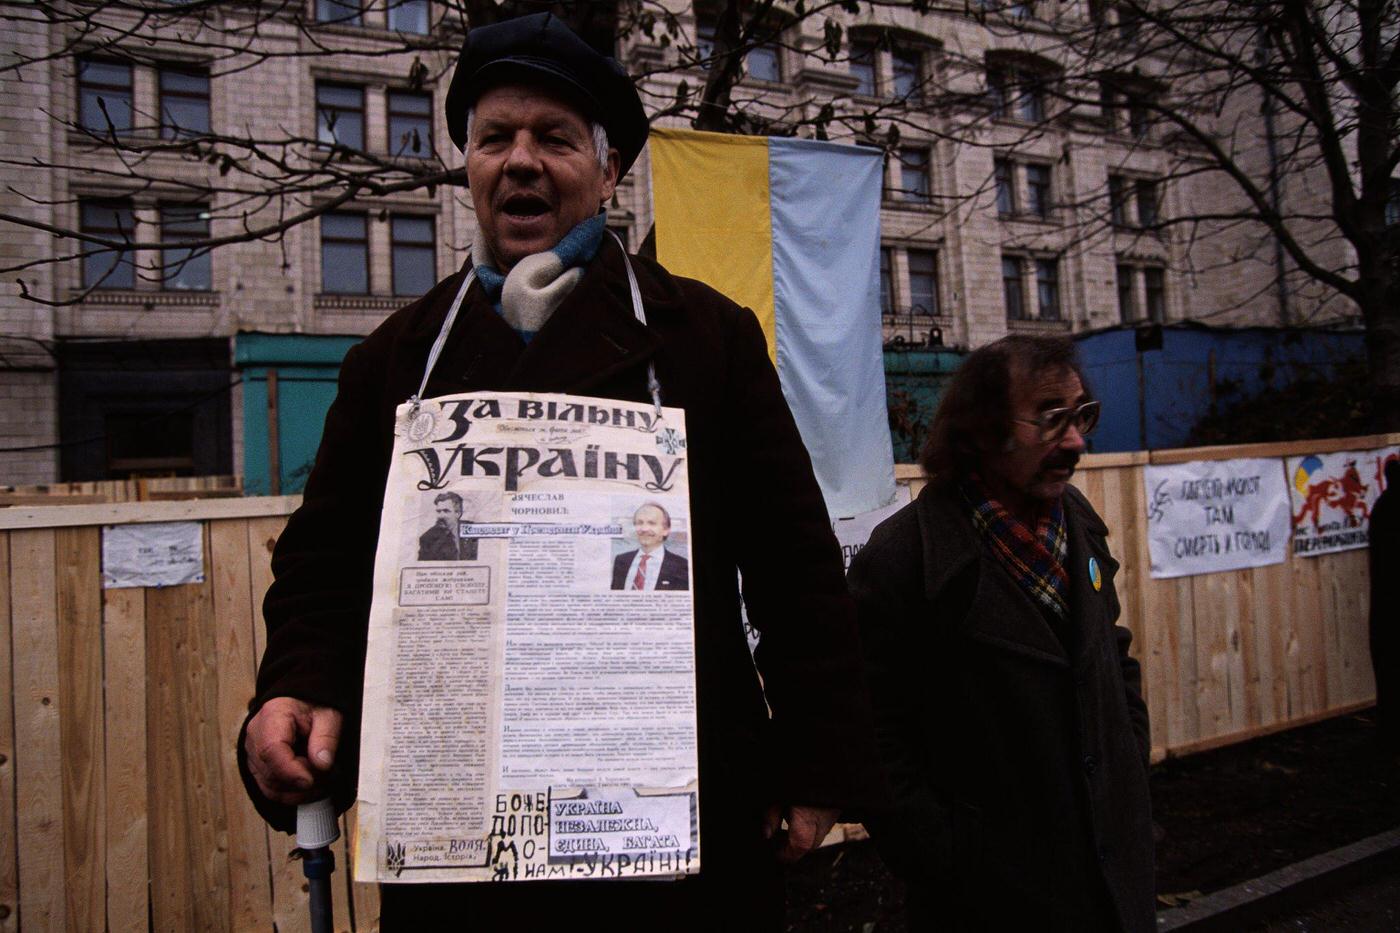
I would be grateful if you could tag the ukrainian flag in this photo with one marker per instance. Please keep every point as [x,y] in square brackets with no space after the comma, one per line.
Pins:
[791,229]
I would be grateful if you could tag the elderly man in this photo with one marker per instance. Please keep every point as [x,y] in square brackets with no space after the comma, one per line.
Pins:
[651,566]
[1009,715]
[549,126]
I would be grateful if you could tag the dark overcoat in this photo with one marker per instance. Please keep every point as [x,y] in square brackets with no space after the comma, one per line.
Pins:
[1017,757]
[745,459]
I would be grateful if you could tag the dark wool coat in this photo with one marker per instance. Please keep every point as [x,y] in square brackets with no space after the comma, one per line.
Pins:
[1018,766]
[747,463]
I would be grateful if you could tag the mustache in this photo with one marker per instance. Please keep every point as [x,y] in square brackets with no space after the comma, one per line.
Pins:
[1060,460]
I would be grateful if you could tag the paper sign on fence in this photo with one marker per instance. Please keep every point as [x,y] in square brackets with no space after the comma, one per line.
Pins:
[1213,515]
[1332,495]
[530,679]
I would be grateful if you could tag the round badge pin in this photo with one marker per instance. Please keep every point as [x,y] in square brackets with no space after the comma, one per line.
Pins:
[421,427]
[1095,577]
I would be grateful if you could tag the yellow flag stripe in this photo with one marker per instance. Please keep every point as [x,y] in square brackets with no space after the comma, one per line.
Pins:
[710,195]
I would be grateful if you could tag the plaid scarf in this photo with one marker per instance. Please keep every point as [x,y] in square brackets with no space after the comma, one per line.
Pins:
[1035,560]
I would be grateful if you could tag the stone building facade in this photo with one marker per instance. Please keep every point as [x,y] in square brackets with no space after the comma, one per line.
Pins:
[1020,210]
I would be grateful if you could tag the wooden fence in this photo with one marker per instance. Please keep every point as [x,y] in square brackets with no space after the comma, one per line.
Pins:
[146,489]
[121,806]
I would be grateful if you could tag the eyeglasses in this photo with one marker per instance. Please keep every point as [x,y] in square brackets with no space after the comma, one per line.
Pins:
[1054,423]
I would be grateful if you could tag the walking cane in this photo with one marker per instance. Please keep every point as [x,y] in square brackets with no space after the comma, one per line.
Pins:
[316,830]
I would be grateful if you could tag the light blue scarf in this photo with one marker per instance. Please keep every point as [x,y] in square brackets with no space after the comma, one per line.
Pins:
[536,285]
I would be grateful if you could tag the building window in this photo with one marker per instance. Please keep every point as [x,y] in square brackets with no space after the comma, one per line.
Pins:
[1139,119]
[914,171]
[414,254]
[340,114]
[886,280]
[410,124]
[997,91]
[1006,187]
[1118,200]
[1129,23]
[907,68]
[102,267]
[409,16]
[1155,290]
[1038,190]
[1147,203]
[104,86]
[761,62]
[184,269]
[862,66]
[1013,288]
[1047,288]
[344,254]
[184,103]
[1116,103]
[1127,294]
[1016,93]
[345,12]
[1392,204]
[160,406]
[923,282]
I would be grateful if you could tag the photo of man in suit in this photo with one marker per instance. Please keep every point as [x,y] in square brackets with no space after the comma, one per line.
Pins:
[443,541]
[651,566]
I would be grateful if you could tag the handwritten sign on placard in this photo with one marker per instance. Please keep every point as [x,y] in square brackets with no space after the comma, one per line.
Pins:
[1213,515]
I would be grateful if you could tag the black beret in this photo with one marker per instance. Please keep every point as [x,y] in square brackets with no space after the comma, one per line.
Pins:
[539,48]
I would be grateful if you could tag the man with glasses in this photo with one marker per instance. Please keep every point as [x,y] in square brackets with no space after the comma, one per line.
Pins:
[1011,724]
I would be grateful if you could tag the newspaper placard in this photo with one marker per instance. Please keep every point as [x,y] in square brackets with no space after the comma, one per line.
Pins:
[1213,515]
[530,678]
[1332,496]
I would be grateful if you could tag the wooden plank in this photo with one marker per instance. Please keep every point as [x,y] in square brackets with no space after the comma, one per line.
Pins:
[262,538]
[1213,600]
[1333,652]
[189,858]
[1272,626]
[1244,653]
[126,513]
[177,495]
[11,499]
[1183,622]
[1349,579]
[1307,662]
[289,908]
[1124,458]
[38,745]
[1120,513]
[1137,596]
[249,890]
[128,863]
[9,866]
[1273,449]
[289,911]
[1220,741]
[79,573]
